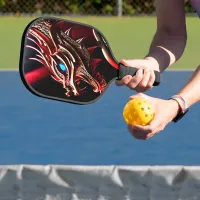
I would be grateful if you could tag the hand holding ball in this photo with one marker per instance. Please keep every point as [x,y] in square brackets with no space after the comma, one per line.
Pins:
[138,111]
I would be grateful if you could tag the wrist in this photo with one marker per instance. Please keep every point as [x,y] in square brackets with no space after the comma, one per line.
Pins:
[163,56]
[154,63]
[175,108]
[182,107]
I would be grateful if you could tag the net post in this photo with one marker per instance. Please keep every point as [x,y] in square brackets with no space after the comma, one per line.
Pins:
[119,8]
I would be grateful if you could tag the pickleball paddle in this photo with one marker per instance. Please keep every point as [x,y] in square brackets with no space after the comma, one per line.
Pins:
[68,61]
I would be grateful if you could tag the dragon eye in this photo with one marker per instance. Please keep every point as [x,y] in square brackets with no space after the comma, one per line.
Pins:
[62,67]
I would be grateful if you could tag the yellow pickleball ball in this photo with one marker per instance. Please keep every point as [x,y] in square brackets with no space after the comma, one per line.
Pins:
[138,112]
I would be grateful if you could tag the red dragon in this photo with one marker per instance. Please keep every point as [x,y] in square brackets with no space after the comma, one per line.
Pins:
[68,60]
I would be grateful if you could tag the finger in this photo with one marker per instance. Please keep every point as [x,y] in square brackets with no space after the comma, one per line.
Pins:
[151,135]
[146,130]
[143,130]
[124,81]
[136,134]
[156,131]
[153,128]
[130,63]
[143,83]
[151,79]
[140,137]
[130,128]
[149,85]
[155,123]
[136,79]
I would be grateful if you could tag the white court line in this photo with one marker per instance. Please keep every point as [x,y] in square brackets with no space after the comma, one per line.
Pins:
[8,69]
[179,70]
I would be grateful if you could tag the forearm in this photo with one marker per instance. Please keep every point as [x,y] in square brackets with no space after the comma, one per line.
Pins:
[191,91]
[166,48]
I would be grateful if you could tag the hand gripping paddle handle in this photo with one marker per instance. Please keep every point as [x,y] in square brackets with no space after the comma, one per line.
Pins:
[124,71]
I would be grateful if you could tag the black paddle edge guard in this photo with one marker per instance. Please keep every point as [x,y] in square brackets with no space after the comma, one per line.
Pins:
[124,71]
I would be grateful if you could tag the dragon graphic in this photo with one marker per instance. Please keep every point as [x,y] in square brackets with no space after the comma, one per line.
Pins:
[67,59]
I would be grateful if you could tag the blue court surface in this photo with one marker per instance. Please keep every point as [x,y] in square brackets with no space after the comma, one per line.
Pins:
[34,130]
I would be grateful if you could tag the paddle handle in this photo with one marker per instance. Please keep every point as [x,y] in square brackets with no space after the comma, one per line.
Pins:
[124,71]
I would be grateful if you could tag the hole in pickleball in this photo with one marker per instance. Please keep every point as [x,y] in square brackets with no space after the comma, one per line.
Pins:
[142,109]
[146,115]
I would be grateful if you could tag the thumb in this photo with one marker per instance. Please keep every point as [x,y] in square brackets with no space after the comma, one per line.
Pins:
[154,127]
[133,63]
[156,122]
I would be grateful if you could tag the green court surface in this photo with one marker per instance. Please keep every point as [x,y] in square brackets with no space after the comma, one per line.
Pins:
[129,38]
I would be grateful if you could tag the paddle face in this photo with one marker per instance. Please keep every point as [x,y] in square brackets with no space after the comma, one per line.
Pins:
[66,61]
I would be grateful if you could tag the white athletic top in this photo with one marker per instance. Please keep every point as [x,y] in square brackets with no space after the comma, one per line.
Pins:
[196,5]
